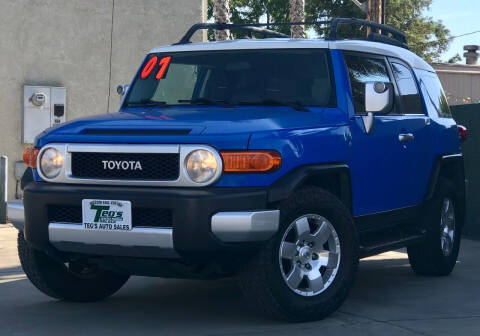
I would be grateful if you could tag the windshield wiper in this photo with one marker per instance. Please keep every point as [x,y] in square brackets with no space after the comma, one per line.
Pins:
[147,102]
[272,102]
[206,101]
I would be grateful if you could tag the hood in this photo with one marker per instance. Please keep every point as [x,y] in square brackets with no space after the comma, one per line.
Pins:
[187,124]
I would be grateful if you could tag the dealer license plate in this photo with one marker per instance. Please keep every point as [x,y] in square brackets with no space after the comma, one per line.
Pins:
[107,215]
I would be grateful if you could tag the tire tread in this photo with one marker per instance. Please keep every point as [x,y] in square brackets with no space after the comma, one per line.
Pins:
[426,257]
[52,279]
[254,280]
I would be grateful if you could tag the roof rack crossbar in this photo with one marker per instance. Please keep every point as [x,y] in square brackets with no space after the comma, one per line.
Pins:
[379,32]
[250,28]
[397,37]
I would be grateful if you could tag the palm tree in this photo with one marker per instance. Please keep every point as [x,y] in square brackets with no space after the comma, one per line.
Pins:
[221,10]
[297,14]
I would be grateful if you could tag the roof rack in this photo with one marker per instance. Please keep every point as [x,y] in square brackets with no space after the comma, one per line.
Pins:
[250,28]
[378,32]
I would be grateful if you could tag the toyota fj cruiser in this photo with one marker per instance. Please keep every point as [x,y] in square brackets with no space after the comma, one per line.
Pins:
[282,161]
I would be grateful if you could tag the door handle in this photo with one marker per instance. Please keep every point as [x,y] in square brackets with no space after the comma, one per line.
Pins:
[405,137]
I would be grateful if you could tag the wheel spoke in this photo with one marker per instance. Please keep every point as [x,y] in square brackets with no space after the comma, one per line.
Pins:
[447,238]
[322,234]
[451,235]
[288,250]
[446,206]
[315,281]
[445,229]
[446,243]
[295,277]
[302,226]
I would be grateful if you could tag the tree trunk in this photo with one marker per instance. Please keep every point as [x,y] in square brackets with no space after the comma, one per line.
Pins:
[375,11]
[374,14]
[297,14]
[221,10]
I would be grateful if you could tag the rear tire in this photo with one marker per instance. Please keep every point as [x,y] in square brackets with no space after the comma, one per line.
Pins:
[323,279]
[437,255]
[76,281]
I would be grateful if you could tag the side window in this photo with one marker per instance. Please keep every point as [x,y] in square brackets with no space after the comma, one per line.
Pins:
[411,101]
[433,92]
[362,69]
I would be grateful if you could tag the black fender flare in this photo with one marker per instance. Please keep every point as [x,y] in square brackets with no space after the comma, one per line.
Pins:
[26,178]
[450,166]
[287,184]
[441,162]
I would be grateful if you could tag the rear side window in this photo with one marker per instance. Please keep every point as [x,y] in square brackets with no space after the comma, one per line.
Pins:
[362,69]
[407,86]
[433,92]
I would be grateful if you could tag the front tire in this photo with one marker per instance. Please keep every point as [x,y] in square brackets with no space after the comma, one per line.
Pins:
[437,255]
[74,281]
[305,272]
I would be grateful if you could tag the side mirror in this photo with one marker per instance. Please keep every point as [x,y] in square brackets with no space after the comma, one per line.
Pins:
[378,99]
[122,89]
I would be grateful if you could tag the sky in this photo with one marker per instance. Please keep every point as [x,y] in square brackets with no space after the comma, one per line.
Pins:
[460,17]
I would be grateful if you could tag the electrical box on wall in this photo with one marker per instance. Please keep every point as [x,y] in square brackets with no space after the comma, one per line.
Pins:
[43,107]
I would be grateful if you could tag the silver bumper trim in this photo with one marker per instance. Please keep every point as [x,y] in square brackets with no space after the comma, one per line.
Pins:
[74,238]
[245,225]
[16,215]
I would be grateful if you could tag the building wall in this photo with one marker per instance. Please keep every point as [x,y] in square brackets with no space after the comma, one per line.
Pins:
[469,116]
[88,46]
[461,82]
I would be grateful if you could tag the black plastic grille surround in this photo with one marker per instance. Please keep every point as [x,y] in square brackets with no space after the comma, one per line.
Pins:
[141,217]
[123,166]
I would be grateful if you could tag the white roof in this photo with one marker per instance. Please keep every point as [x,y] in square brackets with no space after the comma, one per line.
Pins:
[282,43]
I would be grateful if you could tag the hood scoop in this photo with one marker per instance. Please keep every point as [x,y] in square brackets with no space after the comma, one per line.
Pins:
[134,132]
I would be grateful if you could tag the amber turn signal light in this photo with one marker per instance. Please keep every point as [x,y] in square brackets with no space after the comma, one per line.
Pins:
[30,157]
[251,162]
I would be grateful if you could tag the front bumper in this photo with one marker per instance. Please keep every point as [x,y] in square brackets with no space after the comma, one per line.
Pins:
[16,214]
[206,223]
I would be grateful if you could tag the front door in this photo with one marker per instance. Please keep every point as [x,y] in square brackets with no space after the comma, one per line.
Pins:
[388,168]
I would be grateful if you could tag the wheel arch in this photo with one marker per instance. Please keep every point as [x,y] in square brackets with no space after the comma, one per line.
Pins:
[451,168]
[335,178]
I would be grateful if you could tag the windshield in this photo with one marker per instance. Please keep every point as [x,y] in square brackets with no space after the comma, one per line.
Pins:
[290,77]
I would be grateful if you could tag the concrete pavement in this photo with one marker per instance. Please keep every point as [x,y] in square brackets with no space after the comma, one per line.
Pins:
[387,299]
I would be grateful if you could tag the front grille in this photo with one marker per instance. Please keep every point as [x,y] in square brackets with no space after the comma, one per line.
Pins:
[154,166]
[141,217]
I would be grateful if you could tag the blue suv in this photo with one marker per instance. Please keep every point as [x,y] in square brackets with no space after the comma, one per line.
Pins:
[282,161]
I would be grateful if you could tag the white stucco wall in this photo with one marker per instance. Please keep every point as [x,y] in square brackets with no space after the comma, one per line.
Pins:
[88,46]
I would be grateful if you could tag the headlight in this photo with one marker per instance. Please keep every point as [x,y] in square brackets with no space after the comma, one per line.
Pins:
[51,163]
[201,165]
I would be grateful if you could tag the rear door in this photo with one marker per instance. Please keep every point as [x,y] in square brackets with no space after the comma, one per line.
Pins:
[387,165]
[414,123]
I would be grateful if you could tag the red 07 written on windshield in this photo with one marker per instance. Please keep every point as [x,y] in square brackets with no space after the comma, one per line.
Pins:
[152,62]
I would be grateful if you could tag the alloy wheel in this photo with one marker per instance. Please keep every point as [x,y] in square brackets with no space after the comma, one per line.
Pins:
[309,255]
[447,227]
